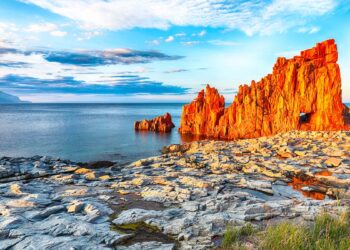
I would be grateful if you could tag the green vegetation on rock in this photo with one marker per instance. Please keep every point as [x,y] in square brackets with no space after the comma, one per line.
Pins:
[327,232]
[234,236]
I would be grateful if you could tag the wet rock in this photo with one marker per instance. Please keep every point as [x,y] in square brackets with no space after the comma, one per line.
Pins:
[152,245]
[135,216]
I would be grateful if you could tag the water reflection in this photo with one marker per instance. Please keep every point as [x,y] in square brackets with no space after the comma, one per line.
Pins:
[302,183]
[190,138]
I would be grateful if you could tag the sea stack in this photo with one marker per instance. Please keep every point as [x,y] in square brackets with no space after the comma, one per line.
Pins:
[302,93]
[162,124]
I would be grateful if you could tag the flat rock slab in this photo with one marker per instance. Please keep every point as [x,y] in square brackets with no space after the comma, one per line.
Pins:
[185,198]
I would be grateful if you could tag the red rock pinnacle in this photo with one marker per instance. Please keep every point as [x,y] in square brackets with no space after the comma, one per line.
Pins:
[302,93]
[159,124]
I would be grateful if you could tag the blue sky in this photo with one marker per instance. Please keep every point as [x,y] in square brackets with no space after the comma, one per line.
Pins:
[157,50]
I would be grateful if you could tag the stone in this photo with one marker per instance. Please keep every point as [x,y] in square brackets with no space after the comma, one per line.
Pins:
[75,207]
[333,162]
[302,93]
[194,182]
[82,171]
[104,177]
[150,245]
[20,203]
[10,222]
[47,212]
[135,215]
[16,189]
[259,185]
[90,176]
[159,124]
[191,206]
[143,162]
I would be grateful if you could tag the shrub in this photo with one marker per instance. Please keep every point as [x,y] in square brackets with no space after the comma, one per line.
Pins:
[285,236]
[234,236]
[326,233]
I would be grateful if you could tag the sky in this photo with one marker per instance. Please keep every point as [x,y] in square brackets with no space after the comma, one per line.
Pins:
[157,50]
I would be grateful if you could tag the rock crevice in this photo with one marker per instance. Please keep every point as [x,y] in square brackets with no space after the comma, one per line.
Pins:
[302,93]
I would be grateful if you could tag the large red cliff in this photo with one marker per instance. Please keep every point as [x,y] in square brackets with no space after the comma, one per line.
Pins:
[301,93]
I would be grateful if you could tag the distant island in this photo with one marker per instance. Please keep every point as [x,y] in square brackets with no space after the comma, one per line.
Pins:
[10,99]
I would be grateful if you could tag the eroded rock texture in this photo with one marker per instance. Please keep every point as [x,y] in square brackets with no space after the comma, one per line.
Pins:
[159,124]
[301,93]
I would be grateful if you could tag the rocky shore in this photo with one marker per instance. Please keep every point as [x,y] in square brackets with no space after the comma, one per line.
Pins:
[182,199]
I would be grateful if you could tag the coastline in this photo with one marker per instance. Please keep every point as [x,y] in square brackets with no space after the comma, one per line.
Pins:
[184,198]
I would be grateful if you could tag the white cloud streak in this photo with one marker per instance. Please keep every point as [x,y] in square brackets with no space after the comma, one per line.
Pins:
[42,27]
[251,17]
[169,39]
[309,30]
[218,42]
[50,28]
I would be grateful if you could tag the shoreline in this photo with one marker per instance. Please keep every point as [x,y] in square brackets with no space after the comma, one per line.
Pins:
[182,199]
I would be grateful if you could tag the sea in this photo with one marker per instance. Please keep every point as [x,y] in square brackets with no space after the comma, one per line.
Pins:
[84,132]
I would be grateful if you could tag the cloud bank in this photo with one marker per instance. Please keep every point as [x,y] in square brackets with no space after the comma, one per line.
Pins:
[251,17]
[81,72]
[123,85]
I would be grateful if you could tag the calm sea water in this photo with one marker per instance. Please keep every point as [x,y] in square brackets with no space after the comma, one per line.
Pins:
[83,132]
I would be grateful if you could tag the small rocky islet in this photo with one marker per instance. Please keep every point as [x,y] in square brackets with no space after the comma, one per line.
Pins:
[162,124]
[187,196]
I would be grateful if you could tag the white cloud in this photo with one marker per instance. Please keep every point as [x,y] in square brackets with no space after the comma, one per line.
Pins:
[190,43]
[50,28]
[202,33]
[169,39]
[88,35]
[254,16]
[9,35]
[154,42]
[181,34]
[58,33]
[303,7]
[223,43]
[309,30]
[42,27]
[86,98]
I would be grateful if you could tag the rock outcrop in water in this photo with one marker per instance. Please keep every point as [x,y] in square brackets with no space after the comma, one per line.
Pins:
[159,124]
[302,93]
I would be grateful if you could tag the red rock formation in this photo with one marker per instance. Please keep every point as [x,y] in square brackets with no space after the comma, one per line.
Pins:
[301,93]
[347,116]
[159,124]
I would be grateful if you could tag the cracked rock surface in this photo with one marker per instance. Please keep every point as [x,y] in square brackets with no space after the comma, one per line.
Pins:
[183,199]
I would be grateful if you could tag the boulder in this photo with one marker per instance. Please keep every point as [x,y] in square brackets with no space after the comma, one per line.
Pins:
[159,124]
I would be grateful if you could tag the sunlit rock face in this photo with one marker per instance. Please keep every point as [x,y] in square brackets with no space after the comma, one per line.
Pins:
[159,124]
[302,93]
